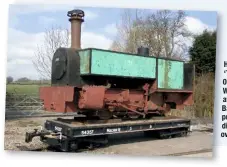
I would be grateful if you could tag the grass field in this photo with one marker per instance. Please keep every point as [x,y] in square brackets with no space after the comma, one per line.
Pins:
[23,89]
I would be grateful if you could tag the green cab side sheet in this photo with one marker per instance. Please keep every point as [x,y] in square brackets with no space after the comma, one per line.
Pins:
[170,74]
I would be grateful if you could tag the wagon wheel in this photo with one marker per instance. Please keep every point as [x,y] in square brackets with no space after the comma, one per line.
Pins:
[73,146]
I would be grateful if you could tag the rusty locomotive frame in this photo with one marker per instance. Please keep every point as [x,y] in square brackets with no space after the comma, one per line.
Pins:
[116,104]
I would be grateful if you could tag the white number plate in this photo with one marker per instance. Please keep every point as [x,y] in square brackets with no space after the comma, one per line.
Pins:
[87,132]
[57,128]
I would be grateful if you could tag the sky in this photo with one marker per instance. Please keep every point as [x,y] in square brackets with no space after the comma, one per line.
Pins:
[27,24]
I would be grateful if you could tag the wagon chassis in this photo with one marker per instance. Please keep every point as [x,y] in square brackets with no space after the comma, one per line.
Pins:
[68,134]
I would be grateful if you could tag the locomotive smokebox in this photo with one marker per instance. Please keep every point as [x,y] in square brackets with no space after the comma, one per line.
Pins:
[76,17]
[143,51]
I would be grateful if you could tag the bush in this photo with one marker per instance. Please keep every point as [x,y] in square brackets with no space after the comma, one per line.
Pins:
[204,95]
[203,99]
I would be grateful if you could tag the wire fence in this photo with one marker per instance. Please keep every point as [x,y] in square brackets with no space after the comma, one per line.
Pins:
[28,104]
[23,106]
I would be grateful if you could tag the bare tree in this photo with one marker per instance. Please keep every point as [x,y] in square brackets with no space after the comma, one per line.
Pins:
[126,39]
[54,38]
[163,32]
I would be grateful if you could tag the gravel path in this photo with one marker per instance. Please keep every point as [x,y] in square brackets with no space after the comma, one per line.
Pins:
[128,144]
[15,134]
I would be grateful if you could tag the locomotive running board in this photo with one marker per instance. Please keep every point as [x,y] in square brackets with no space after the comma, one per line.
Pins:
[66,133]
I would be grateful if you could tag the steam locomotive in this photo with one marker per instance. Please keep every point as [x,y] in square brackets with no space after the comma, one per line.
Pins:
[104,84]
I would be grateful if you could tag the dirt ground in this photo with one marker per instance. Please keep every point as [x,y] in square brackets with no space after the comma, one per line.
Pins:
[134,144]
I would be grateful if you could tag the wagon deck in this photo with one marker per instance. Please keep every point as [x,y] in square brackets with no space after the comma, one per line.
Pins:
[68,133]
[79,129]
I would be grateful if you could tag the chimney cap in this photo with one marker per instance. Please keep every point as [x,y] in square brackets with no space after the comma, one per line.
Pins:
[76,13]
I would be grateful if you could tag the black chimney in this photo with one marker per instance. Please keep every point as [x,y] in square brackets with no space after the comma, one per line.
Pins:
[143,51]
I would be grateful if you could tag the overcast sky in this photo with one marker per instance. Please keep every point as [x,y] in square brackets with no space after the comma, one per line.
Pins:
[28,23]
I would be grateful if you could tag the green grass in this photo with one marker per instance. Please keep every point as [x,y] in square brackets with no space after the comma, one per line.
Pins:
[23,89]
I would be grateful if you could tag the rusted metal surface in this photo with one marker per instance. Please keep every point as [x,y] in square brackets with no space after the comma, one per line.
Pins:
[188,99]
[101,98]
[58,99]
[98,97]
[180,99]
[146,94]
[137,102]
[92,97]
[154,86]
[125,100]
[76,19]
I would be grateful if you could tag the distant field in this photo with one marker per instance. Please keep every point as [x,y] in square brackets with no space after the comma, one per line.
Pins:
[23,89]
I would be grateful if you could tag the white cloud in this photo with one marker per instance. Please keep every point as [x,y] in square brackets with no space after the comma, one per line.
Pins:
[46,20]
[90,15]
[90,39]
[22,46]
[196,26]
[111,29]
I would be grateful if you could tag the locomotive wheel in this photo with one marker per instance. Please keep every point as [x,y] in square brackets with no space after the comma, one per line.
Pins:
[104,115]
[134,116]
[90,115]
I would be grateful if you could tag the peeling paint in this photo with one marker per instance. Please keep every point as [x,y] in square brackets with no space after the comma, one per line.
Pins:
[170,74]
[120,64]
